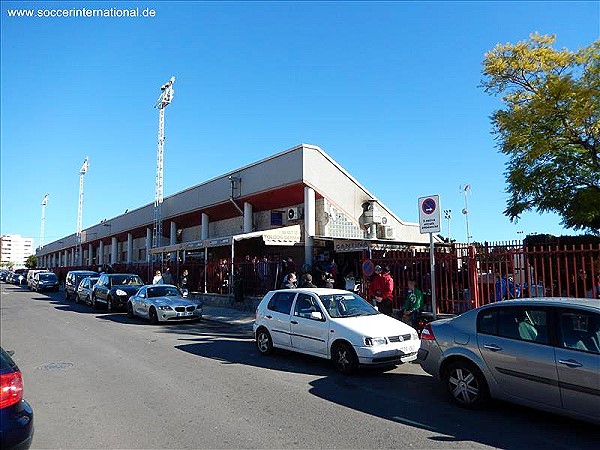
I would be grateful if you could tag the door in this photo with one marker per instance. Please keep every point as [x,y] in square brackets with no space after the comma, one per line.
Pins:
[578,361]
[308,333]
[515,345]
[277,318]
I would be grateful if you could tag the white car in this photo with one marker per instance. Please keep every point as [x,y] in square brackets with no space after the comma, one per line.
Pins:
[333,324]
[163,303]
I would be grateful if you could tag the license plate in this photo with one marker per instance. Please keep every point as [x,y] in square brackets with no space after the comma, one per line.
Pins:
[184,314]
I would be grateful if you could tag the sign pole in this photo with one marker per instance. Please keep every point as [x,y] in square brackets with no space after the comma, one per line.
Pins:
[432,271]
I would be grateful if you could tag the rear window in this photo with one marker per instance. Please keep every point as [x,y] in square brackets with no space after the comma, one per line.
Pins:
[281,302]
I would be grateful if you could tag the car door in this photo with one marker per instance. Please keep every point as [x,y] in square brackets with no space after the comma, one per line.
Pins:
[277,318]
[514,342]
[578,361]
[309,334]
[139,303]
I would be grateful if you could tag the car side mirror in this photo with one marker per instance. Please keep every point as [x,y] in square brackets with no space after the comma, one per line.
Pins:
[316,315]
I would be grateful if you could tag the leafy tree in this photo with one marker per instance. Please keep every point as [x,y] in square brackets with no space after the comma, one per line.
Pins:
[549,128]
[31,262]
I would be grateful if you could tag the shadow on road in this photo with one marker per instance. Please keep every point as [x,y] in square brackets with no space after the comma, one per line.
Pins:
[405,397]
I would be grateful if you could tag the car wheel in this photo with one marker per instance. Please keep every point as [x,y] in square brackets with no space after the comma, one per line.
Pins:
[94,302]
[264,342]
[466,384]
[344,358]
[129,310]
[109,304]
[153,316]
[87,300]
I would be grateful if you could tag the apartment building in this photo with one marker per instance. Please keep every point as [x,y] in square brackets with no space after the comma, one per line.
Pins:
[15,249]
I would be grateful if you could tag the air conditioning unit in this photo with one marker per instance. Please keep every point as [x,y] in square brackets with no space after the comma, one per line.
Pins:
[389,233]
[385,232]
[294,213]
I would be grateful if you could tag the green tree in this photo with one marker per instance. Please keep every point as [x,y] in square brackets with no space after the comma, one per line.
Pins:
[31,262]
[549,128]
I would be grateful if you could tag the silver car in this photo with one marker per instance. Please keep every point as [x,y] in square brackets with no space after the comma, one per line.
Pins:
[542,353]
[163,303]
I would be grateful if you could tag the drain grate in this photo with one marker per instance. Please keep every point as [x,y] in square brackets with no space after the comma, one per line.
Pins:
[56,366]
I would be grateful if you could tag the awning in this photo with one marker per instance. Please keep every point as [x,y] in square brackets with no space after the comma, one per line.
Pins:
[277,236]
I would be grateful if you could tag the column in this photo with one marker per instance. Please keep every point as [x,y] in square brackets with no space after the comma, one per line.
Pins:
[204,227]
[148,244]
[114,252]
[90,255]
[247,217]
[101,254]
[309,224]
[129,248]
[173,239]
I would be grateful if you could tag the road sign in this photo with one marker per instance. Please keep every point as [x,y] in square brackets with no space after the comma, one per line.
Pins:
[429,214]
[368,267]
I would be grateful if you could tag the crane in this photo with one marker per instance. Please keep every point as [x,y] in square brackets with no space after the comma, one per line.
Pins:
[82,172]
[164,99]
[44,203]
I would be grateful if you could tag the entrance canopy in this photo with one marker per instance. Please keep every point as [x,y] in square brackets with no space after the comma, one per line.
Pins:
[277,236]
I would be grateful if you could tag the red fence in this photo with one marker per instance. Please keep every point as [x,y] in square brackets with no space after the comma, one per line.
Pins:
[465,276]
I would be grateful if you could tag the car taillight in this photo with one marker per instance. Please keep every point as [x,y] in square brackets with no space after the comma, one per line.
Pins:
[11,389]
[427,333]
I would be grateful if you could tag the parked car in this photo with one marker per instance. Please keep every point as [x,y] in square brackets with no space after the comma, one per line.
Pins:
[18,278]
[16,415]
[333,324]
[114,289]
[30,276]
[72,281]
[538,352]
[3,275]
[45,281]
[163,303]
[84,290]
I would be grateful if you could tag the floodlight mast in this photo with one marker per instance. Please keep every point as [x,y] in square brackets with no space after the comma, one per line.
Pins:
[82,172]
[44,203]
[165,98]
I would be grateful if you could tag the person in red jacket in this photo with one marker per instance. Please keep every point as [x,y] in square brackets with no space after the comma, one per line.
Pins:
[382,288]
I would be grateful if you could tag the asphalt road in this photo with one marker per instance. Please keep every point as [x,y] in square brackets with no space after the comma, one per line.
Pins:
[99,380]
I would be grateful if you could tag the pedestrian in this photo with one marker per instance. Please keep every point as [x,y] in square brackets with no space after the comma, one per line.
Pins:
[289,282]
[167,277]
[382,288]
[306,281]
[183,282]
[158,279]
[413,304]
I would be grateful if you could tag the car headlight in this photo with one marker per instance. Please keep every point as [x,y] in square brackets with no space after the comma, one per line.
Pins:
[374,341]
[164,308]
[120,292]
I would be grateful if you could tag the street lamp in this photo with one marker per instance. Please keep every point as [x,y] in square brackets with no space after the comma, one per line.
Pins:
[448,217]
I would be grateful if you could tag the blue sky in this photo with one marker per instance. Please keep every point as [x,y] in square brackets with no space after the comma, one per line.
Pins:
[388,89]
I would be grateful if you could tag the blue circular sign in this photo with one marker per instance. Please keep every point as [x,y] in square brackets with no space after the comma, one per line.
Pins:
[428,206]
[368,267]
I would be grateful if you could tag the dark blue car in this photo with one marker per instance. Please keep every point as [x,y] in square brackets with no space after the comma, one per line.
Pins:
[16,415]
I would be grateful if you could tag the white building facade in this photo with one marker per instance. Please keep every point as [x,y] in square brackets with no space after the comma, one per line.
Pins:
[15,249]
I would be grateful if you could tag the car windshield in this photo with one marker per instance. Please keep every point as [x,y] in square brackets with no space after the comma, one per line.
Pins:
[163,291]
[131,280]
[346,304]
[47,277]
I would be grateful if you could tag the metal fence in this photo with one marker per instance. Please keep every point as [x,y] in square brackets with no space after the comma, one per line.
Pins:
[466,276]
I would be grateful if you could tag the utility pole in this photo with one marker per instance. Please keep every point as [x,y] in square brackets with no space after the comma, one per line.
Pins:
[165,98]
[44,203]
[82,172]
[465,190]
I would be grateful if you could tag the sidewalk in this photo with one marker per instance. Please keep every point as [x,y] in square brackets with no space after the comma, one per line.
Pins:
[228,315]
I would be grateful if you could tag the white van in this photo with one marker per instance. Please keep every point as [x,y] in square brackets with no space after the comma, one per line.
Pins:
[30,276]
